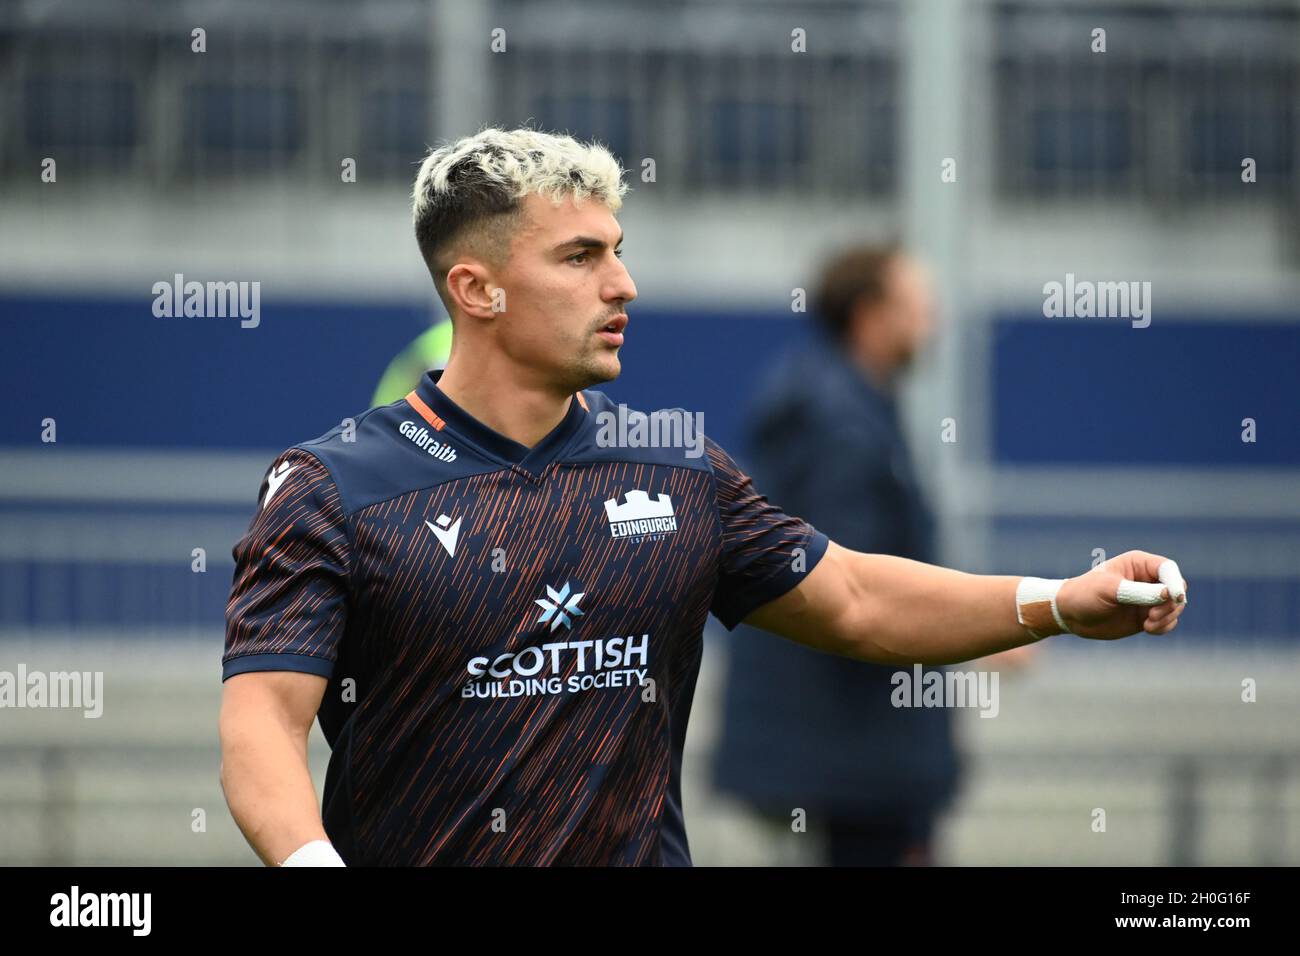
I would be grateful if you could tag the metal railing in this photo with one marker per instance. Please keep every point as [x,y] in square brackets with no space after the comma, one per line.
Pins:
[70,788]
[712,92]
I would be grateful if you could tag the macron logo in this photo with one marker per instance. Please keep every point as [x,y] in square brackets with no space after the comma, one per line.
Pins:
[446,531]
[274,480]
[640,515]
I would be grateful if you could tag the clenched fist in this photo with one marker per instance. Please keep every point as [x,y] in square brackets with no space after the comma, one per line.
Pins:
[1131,592]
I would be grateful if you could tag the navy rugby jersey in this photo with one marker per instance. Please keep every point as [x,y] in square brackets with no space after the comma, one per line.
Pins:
[511,636]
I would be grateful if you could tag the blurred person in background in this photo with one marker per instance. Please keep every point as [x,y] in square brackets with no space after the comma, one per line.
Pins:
[810,730]
[430,350]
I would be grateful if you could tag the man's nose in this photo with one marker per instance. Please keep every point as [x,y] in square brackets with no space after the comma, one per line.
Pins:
[621,285]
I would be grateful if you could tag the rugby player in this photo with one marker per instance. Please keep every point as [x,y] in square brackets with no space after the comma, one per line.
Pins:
[495,609]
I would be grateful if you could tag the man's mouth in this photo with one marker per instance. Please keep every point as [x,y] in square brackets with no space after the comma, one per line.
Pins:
[612,332]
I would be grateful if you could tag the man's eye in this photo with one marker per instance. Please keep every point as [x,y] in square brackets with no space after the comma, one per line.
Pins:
[584,255]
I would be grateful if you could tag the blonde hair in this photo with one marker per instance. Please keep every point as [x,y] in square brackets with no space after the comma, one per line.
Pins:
[469,193]
[519,162]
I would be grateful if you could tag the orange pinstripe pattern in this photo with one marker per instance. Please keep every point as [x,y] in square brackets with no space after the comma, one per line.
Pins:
[531,756]
[427,775]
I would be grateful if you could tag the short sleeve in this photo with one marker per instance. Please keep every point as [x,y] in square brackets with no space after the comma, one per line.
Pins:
[288,602]
[765,552]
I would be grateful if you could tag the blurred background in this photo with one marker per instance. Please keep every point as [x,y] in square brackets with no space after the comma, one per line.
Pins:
[1071,435]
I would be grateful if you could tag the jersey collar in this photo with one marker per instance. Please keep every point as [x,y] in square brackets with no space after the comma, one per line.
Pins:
[441,412]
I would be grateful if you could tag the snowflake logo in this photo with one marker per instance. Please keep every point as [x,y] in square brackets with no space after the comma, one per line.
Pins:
[559,607]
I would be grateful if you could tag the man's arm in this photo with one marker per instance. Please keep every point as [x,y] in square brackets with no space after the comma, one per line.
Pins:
[893,610]
[266,717]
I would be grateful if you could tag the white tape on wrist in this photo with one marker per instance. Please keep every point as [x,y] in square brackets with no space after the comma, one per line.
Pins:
[315,853]
[1036,608]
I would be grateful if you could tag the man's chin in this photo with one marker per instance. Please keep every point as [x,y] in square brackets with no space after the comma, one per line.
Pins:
[604,369]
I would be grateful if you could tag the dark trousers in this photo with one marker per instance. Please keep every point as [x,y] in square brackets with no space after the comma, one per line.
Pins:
[902,840]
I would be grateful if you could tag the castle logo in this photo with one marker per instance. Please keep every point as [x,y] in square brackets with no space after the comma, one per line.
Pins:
[639,516]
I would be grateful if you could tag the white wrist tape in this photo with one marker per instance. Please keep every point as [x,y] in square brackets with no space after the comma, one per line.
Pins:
[315,853]
[1036,608]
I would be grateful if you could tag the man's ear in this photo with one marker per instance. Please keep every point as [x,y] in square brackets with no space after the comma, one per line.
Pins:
[470,286]
[862,319]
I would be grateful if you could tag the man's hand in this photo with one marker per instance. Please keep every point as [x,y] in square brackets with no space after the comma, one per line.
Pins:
[1127,594]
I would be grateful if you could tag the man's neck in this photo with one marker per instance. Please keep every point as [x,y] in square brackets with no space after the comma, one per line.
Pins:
[877,370]
[521,413]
